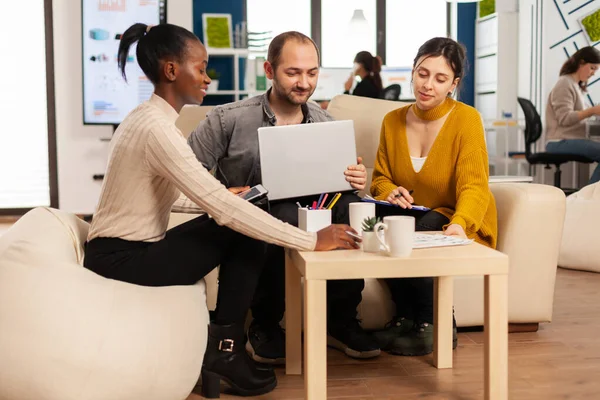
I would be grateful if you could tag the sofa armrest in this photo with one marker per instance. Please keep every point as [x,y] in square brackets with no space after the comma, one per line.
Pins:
[530,225]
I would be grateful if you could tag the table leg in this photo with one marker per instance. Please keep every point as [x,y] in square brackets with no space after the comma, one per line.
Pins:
[315,339]
[443,298]
[496,337]
[293,318]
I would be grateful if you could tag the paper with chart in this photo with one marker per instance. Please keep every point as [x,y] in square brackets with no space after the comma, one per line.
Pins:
[426,240]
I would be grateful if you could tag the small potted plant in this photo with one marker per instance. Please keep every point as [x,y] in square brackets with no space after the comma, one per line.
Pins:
[370,243]
[214,77]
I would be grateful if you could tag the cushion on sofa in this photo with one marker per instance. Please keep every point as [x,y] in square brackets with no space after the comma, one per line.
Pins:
[368,116]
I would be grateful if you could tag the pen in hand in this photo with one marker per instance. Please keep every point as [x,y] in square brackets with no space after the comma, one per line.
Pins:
[400,194]
[408,199]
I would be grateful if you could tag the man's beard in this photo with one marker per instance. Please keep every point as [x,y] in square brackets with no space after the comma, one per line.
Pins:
[289,97]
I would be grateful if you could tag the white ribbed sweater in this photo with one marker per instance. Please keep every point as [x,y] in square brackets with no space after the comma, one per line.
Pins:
[151,165]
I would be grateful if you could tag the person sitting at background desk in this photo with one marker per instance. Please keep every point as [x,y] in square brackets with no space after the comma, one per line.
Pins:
[368,68]
[434,149]
[150,165]
[565,112]
[227,140]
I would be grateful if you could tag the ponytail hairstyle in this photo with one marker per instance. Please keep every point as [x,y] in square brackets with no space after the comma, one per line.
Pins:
[372,65]
[585,55]
[155,44]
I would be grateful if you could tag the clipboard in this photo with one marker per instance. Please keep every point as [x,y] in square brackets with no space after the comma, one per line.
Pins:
[369,199]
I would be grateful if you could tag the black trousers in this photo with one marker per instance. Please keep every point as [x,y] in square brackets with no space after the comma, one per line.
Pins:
[343,296]
[414,296]
[186,254]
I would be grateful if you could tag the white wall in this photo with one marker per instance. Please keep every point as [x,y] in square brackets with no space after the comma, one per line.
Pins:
[81,154]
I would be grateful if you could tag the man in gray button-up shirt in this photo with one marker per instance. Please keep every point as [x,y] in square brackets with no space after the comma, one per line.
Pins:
[227,142]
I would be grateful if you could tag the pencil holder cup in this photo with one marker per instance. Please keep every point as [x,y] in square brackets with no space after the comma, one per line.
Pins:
[313,220]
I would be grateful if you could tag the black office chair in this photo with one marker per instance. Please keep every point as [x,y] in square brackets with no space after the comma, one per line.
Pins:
[533,131]
[392,92]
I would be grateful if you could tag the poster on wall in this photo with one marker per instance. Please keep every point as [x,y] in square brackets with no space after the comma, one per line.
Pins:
[107,98]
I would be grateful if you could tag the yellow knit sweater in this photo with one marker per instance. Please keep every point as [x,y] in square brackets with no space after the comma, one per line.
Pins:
[454,179]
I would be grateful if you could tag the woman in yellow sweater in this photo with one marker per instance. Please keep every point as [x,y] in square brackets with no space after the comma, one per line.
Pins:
[432,153]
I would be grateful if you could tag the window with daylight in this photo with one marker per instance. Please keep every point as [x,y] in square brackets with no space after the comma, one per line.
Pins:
[24,166]
[408,27]
[346,28]
[275,17]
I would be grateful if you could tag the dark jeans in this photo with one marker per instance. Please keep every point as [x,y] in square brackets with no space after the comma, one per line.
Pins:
[343,296]
[414,296]
[186,254]
[583,147]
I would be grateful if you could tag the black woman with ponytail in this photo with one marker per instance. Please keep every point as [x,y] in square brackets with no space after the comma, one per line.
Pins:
[151,172]
[567,113]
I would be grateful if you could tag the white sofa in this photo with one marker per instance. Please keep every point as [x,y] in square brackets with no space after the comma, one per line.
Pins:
[579,247]
[69,334]
[530,222]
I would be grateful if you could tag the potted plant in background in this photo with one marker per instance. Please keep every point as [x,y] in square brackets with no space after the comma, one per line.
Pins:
[214,77]
[370,243]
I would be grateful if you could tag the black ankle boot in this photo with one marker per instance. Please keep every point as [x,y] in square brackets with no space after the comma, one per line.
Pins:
[226,359]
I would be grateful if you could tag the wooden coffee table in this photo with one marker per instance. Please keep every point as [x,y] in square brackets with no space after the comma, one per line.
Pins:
[443,263]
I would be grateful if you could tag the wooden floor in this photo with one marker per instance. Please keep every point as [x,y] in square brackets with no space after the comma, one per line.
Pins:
[560,361]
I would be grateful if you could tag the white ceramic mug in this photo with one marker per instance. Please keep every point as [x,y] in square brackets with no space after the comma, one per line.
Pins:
[358,213]
[399,232]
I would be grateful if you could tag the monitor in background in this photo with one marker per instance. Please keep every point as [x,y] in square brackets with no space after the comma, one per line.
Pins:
[400,76]
[331,83]
[107,98]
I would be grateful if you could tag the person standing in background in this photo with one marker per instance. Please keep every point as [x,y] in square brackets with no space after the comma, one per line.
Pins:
[566,114]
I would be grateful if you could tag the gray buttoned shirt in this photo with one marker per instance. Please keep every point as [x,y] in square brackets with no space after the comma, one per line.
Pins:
[227,140]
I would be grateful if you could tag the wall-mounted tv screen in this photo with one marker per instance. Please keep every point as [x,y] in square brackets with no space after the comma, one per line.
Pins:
[107,98]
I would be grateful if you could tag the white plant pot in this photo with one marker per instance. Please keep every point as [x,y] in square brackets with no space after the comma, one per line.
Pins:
[370,243]
[213,87]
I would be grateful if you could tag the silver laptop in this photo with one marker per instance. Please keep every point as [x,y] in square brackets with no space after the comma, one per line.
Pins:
[306,159]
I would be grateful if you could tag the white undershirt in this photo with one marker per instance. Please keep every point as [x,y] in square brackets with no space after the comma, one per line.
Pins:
[417,162]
